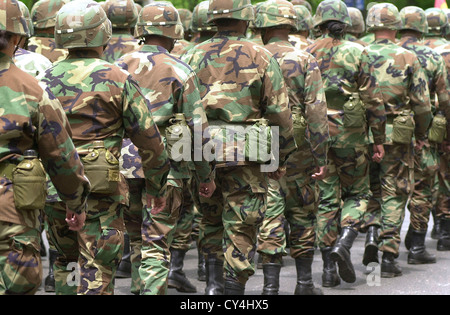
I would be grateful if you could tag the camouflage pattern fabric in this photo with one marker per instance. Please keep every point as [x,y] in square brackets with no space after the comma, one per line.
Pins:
[46,46]
[119,45]
[32,63]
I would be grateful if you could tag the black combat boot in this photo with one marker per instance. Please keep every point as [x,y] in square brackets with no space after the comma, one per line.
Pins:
[233,288]
[417,253]
[177,278]
[305,285]
[124,268]
[408,237]
[371,246]
[214,276]
[49,283]
[271,273]
[341,254]
[443,243]
[389,267]
[201,269]
[436,231]
[330,277]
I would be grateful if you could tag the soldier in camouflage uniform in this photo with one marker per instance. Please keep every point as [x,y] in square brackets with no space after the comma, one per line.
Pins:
[43,14]
[172,87]
[102,102]
[240,83]
[352,97]
[426,164]
[31,119]
[301,38]
[358,27]
[294,196]
[438,21]
[406,98]
[304,3]
[123,15]
[184,43]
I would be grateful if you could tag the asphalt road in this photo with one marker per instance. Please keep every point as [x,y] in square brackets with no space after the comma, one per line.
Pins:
[431,279]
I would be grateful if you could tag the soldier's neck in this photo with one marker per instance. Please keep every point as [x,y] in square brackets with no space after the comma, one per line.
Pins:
[386,34]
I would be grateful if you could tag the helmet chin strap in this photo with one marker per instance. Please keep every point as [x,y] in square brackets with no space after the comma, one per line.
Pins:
[18,45]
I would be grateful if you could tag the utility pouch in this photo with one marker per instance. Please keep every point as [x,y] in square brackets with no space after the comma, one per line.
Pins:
[354,112]
[258,142]
[403,127]
[299,124]
[29,183]
[438,129]
[102,169]
[178,139]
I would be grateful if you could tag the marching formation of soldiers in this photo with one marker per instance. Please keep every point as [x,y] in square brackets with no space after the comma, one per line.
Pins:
[129,131]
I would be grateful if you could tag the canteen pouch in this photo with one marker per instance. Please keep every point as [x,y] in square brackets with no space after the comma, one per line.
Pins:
[29,185]
[299,124]
[403,128]
[178,139]
[438,129]
[354,113]
[102,169]
[258,141]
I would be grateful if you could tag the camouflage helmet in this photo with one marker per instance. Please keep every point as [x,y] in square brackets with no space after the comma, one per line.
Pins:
[43,12]
[304,18]
[159,18]
[12,19]
[331,10]
[186,18]
[383,16]
[199,18]
[82,23]
[437,20]
[230,9]
[121,13]
[304,3]
[276,13]
[358,24]
[414,18]
[27,16]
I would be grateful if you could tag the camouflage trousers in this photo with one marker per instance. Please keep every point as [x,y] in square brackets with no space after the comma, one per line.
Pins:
[88,260]
[344,193]
[424,192]
[230,219]
[20,260]
[443,200]
[157,236]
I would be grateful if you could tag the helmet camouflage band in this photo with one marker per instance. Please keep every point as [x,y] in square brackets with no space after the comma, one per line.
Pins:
[383,16]
[43,13]
[437,20]
[12,19]
[159,18]
[304,18]
[276,13]
[331,10]
[199,18]
[414,18]
[27,16]
[82,23]
[304,3]
[358,24]
[186,18]
[121,13]
[230,9]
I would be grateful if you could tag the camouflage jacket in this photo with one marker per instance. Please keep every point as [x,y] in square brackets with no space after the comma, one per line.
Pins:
[346,71]
[31,118]
[119,45]
[171,86]
[241,82]
[435,71]
[300,41]
[402,82]
[305,89]
[103,102]
[46,46]
[32,63]
[181,47]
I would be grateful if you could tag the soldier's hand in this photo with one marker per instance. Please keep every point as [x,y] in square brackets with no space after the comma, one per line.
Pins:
[320,173]
[378,153]
[156,204]
[207,189]
[74,220]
